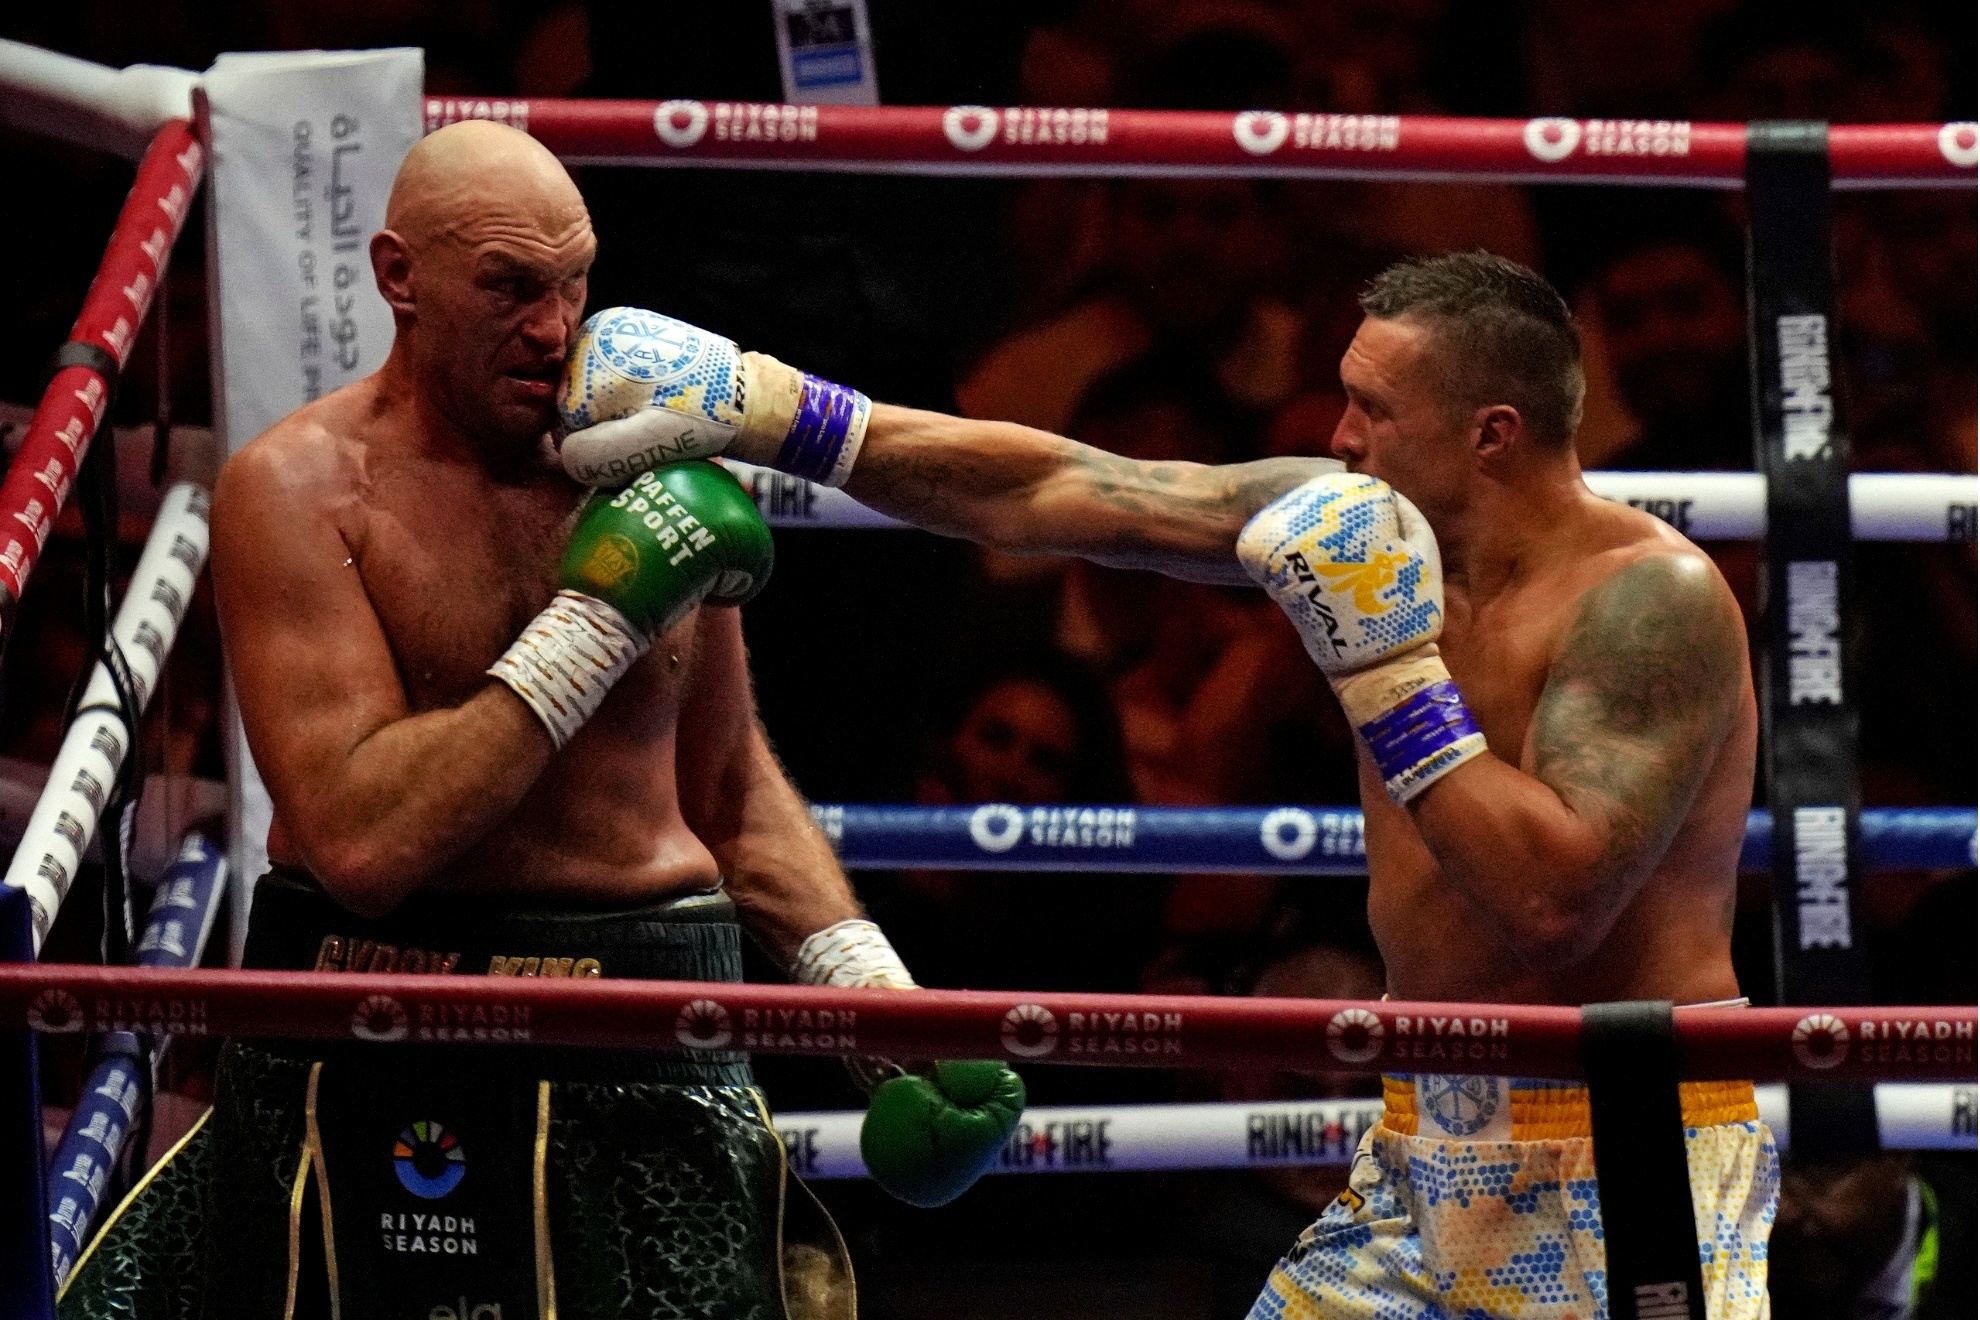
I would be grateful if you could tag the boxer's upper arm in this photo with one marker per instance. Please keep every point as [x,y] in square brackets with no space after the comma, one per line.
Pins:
[1638,704]
[312,670]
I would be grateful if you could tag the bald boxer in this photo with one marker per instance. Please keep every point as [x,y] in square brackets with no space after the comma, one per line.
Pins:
[1557,740]
[508,730]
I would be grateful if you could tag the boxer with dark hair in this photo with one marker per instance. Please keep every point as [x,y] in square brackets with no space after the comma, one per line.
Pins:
[1557,733]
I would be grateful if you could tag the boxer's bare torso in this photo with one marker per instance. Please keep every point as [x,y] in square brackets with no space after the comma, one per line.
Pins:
[1672,939]
[377,550]
[443,562]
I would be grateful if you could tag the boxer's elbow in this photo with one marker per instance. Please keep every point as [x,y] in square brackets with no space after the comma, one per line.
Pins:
[1550,937]
[364,876]
[1561,916]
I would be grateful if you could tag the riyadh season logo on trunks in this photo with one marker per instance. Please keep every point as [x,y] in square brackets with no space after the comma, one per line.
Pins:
[998,827]
[703,1024]
[428,1160]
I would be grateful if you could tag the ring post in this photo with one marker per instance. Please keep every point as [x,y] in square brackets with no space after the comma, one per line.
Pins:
[1809,712]
[1642,1178]
[27,1285]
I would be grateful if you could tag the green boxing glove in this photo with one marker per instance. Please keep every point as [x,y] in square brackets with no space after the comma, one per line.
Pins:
[677,534]
[639,560]
[927,1138]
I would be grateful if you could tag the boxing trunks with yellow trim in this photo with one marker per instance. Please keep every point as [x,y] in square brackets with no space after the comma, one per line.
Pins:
[1475,1199]
[480,1179]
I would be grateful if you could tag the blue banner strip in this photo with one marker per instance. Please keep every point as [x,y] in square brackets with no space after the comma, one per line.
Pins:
[1270,840]
[182,911]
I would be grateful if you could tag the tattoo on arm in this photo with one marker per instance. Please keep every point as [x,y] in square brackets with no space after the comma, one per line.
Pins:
[1638,703]
[1029,492]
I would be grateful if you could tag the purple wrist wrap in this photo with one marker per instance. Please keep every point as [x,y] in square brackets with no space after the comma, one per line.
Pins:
[825,413]
[1430,719]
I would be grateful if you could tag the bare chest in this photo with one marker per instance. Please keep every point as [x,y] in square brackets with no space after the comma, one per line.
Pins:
[454,574]
[1499,654]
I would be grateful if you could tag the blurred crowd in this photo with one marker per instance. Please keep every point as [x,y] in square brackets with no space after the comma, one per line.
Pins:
[1158,318]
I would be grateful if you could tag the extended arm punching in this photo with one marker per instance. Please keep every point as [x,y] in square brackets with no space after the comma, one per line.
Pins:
[1024,491]
[1010,487]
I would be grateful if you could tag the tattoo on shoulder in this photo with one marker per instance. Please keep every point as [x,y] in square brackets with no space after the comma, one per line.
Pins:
[1640,698]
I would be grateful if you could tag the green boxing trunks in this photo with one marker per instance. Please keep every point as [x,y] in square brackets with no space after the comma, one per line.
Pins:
[481,1179]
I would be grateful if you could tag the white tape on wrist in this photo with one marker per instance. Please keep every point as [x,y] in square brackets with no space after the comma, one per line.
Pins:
[853,953]
[567,659]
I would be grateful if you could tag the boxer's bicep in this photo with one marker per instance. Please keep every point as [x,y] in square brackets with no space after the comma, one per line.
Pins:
[1638,704]
[312,670]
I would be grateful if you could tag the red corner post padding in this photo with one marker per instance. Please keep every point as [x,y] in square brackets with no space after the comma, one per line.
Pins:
[72,407]
[1762,1044]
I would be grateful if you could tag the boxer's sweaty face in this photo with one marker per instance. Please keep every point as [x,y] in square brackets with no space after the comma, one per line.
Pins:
[496,321]
[1398,425]
[496,247]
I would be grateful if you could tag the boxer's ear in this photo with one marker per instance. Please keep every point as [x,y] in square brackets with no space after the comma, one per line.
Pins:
[1495,431]
[391,266]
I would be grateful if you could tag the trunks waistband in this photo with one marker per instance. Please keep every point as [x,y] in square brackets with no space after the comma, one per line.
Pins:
[295,926]
[1478,1108]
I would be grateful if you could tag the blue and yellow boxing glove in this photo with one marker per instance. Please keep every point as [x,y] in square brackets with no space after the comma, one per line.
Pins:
[1355,566]
[641,389]
[929,1133]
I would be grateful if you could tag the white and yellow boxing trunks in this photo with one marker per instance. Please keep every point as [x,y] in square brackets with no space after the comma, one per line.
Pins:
[1474,1199]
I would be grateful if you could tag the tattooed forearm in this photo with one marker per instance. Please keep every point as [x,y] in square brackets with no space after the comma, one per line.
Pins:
[1638,703]
[1024,491]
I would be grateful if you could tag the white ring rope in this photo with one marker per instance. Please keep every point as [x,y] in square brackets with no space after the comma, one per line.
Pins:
[93,750]
[1706,506]
[1283,1134]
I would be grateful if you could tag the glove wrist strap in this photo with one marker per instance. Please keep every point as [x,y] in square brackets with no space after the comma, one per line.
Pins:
[1412,719]
[567,659]
[799,423]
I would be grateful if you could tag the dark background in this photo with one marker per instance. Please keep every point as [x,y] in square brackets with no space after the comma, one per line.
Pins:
[1162,319]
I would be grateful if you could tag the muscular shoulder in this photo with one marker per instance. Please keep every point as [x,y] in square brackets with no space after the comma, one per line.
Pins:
[1662,628]
[310,462]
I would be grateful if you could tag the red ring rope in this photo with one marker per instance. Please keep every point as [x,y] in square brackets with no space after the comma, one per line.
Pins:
[1034,140]
[1762,1044]
[38,482]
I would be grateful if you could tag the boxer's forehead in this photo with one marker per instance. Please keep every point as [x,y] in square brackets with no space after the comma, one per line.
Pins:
[563,244]
[1389,355]
[482,187]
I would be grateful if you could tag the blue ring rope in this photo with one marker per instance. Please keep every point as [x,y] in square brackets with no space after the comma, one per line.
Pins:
[1271,840]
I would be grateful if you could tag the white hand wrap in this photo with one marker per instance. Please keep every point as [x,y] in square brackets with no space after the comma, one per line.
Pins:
[854,954]
[567,659]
